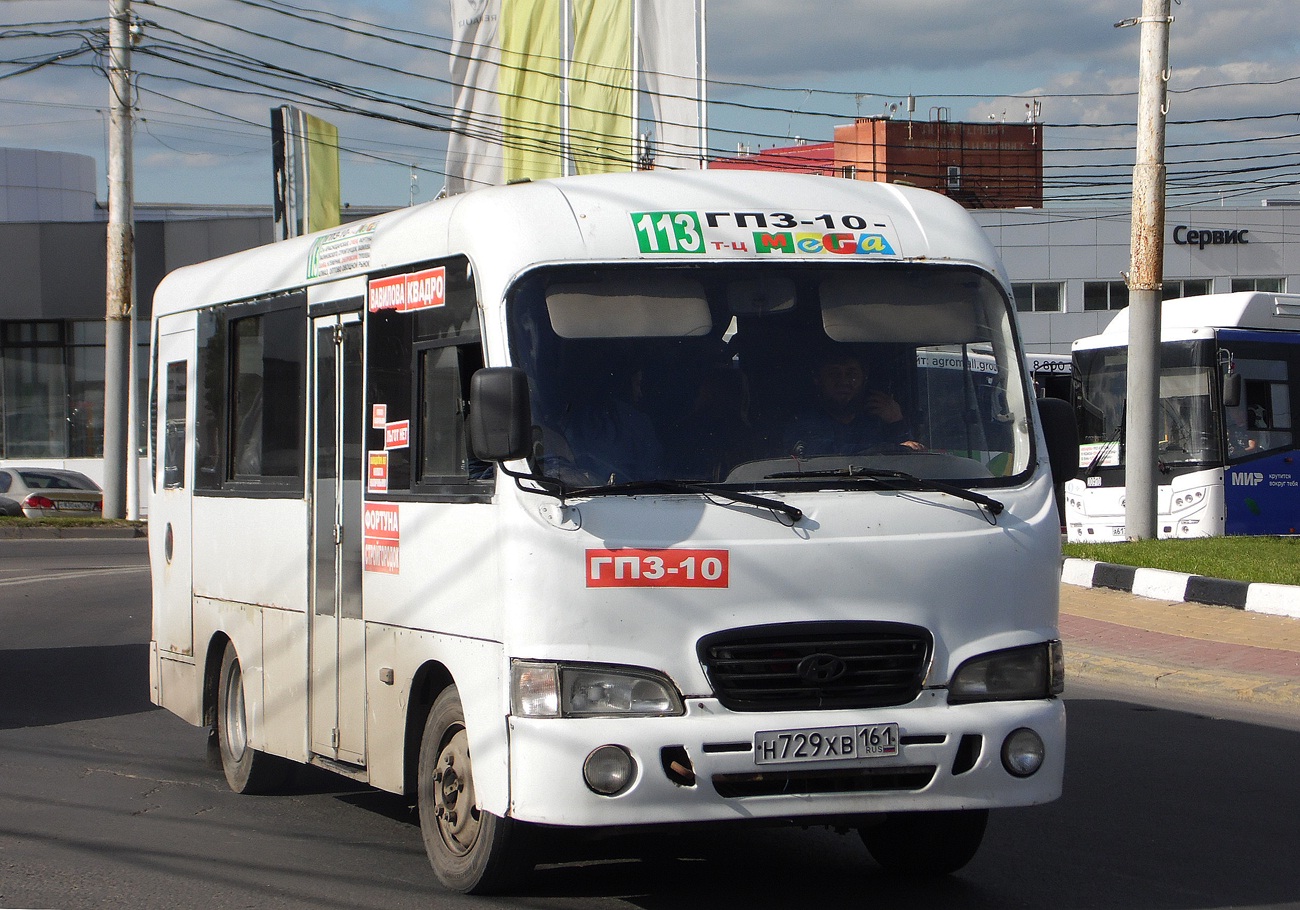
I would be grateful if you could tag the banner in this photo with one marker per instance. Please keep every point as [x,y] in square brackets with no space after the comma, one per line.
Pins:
[305,164]
[602,131]
[672,66]
[475,146]
[551,87]
[530,87]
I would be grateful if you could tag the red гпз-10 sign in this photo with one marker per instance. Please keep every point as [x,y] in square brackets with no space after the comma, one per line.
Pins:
[657,568]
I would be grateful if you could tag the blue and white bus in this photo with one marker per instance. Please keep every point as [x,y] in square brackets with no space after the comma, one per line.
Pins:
[1228,376]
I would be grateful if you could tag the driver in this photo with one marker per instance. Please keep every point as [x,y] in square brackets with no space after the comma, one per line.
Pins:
[847,418]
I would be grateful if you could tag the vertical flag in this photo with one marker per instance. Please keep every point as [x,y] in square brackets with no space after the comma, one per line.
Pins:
[305,160]
[530,84]
[542,82]
[475,146]
[672,60]
[601,123]
[321,146]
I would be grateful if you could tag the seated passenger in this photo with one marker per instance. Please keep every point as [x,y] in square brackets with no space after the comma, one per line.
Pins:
[846,418]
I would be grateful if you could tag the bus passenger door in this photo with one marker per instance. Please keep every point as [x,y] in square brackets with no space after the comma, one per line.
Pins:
[173,484]
[338,656]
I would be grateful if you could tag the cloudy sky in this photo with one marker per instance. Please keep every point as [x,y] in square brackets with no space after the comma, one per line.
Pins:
[210,70]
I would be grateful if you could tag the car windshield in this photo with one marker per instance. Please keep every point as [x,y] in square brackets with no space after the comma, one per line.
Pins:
[1186,431]
[772,376]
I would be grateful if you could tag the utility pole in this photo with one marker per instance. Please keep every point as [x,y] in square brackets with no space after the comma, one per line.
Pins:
[119,308]
[1146,274]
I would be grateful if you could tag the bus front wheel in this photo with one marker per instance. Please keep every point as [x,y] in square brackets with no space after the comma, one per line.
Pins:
[925,844]
[471,851]
[247,770]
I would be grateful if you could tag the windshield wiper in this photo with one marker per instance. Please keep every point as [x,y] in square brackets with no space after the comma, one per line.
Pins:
[899,480]
[633,487]
[1108,444]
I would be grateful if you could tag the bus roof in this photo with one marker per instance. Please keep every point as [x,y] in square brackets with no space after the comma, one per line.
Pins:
[691,216]
[1180,317]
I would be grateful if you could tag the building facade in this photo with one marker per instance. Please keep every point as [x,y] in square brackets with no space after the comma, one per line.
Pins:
[53,254]
[1067,266]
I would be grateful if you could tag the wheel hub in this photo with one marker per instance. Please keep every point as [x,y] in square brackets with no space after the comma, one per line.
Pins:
[458,819]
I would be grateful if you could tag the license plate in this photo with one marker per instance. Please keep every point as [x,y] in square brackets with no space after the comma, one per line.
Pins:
[773,747]
[62,504]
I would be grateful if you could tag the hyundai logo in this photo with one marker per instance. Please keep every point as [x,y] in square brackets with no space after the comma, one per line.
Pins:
[821,668]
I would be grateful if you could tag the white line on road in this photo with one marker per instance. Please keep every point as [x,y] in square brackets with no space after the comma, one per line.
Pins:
[63,574]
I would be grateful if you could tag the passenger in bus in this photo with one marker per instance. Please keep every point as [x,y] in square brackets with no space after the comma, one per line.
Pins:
[1241,440]
[847,417]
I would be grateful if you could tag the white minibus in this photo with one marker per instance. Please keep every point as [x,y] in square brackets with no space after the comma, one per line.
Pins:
[617,501]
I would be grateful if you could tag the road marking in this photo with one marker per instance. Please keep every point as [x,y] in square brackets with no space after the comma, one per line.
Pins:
[64,574]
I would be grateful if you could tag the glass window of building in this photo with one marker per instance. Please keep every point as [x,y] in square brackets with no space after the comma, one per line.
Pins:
[1267,285]
[52,388]
[1185,287]
[1105,295]
[1038,297]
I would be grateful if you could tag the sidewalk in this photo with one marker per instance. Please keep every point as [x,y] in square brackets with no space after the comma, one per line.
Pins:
[1180,647]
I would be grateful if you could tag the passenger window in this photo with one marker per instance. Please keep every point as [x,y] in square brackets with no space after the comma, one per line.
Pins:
[174,432]
[444,394]
[1262,420]
[267,356]
[418,365]
[250,396]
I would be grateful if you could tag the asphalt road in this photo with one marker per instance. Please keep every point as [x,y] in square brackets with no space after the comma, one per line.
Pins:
[107,801]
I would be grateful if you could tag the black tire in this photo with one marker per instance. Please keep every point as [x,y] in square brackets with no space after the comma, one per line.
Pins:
[247,769]
[925,844]
[471,851]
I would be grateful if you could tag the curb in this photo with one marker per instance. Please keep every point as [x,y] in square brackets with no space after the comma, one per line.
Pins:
[47,533]
[1117,670]
[1256,597]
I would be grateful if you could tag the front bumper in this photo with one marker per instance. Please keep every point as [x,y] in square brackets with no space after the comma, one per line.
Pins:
[949,758]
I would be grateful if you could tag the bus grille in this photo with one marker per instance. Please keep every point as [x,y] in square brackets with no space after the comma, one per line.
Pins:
[811,666]
[806,783]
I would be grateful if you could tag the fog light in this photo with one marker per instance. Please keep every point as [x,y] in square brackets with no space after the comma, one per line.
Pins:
[1022,752]
[609,770]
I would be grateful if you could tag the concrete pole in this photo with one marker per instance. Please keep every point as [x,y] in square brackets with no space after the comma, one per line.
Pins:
[1146,274]
[121,258]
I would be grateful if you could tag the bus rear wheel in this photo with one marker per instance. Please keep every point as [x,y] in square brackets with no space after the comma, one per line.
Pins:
[925,844]
[471,851]
[247,770]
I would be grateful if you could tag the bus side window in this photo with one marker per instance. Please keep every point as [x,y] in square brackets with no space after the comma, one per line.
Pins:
[250,393]
[444,382]
[268,361]
[1264,417]
[174,434]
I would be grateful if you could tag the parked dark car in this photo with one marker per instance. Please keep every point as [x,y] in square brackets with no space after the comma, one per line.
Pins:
[49,492]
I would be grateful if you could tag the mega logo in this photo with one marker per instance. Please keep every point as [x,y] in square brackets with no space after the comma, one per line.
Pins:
[1247,479]
[843,244]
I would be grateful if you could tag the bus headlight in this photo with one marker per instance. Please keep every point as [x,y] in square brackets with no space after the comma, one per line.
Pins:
[590,690]
[1034,671]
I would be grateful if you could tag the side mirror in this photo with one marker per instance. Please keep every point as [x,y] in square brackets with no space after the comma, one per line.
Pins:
[1062,435]
[500,415]
[1231,389]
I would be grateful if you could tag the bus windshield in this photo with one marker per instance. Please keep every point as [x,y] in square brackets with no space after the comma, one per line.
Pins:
[751,374]
[1187,432]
